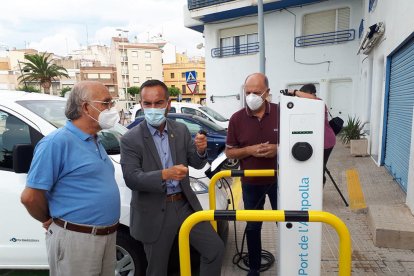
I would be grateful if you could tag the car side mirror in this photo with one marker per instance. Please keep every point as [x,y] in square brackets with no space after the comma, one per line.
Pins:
[22,157]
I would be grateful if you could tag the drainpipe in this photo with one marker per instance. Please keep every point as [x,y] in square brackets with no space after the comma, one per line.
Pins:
[260,18]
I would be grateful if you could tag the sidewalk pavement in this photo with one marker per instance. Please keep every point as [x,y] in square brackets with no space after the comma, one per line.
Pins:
[378,189]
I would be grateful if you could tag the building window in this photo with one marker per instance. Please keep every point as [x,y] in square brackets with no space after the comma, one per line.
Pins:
[135,80]
[148,54]
[148,67]
[183,75]
[93,76]
[238,40]
[173,85]
[204,87]
[111,89]
[134,53]
[135,67]
[204,74]
[326,21]
[172,75]
[183,88]
[105,76]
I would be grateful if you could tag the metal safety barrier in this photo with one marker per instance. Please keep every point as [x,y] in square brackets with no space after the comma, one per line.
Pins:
[232,173]
[266,215]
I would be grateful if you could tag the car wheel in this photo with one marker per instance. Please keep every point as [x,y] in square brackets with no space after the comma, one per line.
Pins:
[130,255]
[231,164]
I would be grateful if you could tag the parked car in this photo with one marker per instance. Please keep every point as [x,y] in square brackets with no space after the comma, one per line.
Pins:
[22,238]
[189,108]
[216,135]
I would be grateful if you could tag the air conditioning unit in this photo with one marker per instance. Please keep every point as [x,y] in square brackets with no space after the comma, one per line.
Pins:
[372,37]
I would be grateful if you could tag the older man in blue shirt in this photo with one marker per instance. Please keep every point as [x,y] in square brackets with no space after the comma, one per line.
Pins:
[71,187]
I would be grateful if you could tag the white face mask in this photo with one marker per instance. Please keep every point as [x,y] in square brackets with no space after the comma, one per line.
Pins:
[254,102]
[107,118]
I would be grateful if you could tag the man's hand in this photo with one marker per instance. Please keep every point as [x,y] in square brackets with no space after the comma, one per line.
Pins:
[264,150]
[47,223]
[177,172]
[200,142]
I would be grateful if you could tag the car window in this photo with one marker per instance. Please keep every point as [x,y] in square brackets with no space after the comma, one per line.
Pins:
[214,114]
[172,110]
[193,127]
[192,111]
[139,113]
[12,131]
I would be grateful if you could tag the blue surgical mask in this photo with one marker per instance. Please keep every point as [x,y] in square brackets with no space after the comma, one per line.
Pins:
[155,116]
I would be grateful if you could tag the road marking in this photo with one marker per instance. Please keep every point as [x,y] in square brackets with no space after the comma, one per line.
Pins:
[355,193]
[237,193]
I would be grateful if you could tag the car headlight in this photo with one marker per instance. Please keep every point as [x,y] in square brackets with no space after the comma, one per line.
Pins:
[198,186]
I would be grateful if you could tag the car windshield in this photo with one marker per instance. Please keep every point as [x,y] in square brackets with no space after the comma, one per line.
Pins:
[213,114]
[54,113]
[51,111]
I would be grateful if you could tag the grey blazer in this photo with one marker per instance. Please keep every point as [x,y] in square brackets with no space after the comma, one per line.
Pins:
[141,167]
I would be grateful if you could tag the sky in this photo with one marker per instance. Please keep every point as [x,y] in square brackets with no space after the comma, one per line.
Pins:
[61,26]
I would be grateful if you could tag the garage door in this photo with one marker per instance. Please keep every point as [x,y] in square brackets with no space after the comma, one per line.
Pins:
[400,113]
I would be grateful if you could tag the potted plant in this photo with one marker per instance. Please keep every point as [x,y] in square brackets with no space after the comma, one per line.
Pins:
[353,134]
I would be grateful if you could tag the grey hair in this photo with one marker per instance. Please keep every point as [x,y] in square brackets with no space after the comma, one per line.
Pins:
[78,95]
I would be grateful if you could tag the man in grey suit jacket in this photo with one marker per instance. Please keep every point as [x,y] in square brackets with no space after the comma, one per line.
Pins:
[155,156]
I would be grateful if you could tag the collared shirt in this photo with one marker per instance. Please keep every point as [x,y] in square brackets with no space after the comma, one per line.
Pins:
[246,130]
[164,152]
[78,175]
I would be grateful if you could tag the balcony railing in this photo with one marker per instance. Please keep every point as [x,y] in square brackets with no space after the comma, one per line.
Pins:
[325,38]
[196,4]
[242,49]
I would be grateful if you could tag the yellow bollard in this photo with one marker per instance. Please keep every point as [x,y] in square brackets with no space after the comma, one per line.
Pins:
[266,215]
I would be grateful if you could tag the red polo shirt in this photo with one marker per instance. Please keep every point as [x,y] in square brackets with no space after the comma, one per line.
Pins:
[246,130]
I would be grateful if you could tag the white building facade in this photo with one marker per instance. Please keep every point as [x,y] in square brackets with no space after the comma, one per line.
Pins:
[312,41]
[135,63]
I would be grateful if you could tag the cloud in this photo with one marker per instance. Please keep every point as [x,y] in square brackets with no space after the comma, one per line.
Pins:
[59,26]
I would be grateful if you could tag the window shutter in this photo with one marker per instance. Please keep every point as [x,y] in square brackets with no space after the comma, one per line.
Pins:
[319,22]
[343,19]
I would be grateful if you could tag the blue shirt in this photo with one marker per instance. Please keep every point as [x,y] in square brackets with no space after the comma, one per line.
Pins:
[164,152]
[78,175]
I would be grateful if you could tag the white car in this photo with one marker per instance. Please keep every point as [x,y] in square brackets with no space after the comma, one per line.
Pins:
[188,108]
[25,118]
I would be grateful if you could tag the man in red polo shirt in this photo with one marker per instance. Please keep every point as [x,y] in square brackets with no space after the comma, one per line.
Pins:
[252,137]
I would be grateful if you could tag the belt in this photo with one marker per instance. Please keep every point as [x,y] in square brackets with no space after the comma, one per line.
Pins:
[175,197]
[94,230]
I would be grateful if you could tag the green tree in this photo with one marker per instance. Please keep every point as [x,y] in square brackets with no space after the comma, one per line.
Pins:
[64,91]
[28,88]
[174,91]
[133,90]
[40,68]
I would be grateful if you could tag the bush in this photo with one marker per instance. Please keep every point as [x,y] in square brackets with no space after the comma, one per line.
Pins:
[64,91]
[28,88]
[352,130]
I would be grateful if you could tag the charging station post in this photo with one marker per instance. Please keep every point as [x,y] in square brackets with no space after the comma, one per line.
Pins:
[300,160]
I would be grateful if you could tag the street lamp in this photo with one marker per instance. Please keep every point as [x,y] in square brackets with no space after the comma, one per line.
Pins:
[124,60]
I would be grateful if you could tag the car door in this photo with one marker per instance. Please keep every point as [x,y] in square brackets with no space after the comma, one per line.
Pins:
[22,238]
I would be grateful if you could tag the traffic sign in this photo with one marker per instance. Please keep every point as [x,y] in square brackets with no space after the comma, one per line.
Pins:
[192,87]
[190,77]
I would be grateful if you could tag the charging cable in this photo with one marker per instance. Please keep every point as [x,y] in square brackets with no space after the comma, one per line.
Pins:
[267,258]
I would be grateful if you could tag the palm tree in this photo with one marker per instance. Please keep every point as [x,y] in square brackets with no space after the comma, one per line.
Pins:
[40,68]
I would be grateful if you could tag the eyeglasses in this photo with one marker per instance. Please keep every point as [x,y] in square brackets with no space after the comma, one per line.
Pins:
[107,105]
